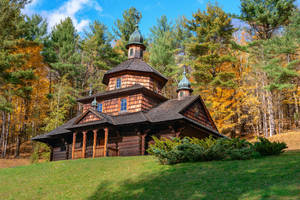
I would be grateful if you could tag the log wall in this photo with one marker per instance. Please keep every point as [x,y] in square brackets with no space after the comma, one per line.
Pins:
[130,146]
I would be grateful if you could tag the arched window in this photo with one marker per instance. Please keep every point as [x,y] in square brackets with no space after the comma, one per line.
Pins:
[131,52]
[118,83]
[123,104]
[99,107]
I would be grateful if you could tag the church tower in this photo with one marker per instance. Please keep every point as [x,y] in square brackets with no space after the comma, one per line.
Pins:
[135,45]
[184,87]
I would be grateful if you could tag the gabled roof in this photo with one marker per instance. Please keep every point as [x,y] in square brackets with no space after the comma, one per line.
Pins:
[121,91]
[170,110]
[103,118]
[133,64]
[167,111]
[59,130]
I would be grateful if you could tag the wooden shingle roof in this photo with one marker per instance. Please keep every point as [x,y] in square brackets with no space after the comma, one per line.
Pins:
[134,64]
[169,110]
[121,91]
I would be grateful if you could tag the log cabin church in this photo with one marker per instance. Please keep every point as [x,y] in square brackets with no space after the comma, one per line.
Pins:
[122,120]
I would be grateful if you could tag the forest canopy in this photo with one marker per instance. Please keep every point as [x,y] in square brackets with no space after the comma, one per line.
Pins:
[248,76]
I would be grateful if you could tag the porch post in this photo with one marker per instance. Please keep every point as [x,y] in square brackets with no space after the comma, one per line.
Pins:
[84,144]
[73,145]
[143,144]
[105,141]
[95,141]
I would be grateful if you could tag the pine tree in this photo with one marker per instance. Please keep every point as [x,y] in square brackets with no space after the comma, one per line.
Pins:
[65,52]
[167,51]
[98,55]
[265,17]
[210,46]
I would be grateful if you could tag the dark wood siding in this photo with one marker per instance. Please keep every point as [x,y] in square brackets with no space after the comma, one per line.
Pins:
[130,146]
[197,112]
[58,154]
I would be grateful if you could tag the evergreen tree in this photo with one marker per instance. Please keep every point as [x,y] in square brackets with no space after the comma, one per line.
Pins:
[163,47]
[266,16]
[65,52]
[210,46]
[36,29]
[167,51]
[98,54]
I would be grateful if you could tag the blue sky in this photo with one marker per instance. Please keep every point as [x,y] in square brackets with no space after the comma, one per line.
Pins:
[84,12]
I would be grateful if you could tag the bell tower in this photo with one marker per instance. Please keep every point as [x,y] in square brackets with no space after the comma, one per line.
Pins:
[184,87]
[135,44]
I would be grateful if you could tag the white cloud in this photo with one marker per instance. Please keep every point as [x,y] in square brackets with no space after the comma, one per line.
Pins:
[29,9]
[69,9]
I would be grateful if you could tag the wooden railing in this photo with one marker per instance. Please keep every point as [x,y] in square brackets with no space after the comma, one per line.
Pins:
[99,151]
[112,151]
[78,153]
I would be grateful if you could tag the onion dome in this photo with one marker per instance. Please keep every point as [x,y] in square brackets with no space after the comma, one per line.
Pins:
[184,84]
[136,38]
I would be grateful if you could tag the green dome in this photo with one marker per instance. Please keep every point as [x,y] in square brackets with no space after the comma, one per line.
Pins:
[136,38]
[184,84]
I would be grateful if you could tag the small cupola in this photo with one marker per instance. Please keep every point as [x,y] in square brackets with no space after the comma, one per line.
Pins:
[184,87]
[135,44]
[94,104]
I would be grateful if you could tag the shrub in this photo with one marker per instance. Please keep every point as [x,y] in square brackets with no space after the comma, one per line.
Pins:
[266,148]
[176,150]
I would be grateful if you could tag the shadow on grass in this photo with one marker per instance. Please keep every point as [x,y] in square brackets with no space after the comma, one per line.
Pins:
[269,178]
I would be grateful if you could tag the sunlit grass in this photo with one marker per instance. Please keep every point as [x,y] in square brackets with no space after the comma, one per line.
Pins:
[143,178]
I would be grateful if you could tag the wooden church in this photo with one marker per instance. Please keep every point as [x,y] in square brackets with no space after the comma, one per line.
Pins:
[122,120]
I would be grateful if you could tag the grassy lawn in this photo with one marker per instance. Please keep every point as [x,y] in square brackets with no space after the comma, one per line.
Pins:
[143,178]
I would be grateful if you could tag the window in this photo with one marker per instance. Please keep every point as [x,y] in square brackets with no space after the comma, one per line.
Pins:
[99,107]
[181,93]
[118,83]
[123,104]
[131,52]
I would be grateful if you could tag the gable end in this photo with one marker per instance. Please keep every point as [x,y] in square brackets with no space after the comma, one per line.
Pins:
[88,117]
[197,112]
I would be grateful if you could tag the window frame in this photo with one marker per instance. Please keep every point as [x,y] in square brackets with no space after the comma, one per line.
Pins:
[122,106]
[131,52]
[119,80]
[101,106]
[181,93]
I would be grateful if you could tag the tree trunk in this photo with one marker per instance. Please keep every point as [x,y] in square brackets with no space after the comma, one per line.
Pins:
[265,125]
[6,136]
[3,132]
[296,115]
[271,113]
[18,144]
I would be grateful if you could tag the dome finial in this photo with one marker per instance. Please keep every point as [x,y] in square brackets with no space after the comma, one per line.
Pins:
[136,37]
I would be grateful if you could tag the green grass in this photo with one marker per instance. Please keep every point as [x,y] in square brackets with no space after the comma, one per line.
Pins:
[275,178]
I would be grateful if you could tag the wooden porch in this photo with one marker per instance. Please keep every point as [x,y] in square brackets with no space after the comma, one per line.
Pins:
[91,149]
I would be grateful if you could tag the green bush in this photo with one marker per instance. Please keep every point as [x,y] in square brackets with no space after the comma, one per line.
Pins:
[40,152]
[176,150]
[266,148]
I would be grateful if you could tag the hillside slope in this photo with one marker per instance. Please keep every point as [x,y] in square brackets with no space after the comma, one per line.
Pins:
[291,138]
[143,178]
